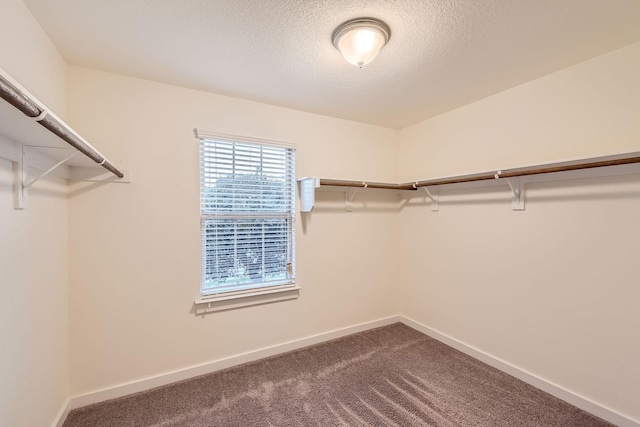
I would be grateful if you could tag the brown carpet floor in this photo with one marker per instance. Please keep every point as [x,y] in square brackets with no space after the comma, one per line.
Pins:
[390,376]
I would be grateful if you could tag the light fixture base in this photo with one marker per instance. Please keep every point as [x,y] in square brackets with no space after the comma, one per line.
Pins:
[352,24]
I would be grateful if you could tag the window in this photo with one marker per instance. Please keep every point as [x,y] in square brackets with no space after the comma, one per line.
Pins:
[247,212]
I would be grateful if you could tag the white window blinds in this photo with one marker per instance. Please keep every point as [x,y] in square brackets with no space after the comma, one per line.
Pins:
[247,212]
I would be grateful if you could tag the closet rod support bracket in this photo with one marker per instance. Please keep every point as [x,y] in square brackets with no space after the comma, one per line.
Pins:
[517,188]
[435,199]
[22,182]
[349,195]
[25,186]
[21,194]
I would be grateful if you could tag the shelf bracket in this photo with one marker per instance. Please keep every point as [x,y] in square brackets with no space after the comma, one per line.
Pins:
[48,171]
[348,199]
[435,199]
[21,196]
[21,184]
[517,188]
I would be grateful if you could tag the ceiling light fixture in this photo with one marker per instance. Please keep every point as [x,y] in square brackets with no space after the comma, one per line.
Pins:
[361,39]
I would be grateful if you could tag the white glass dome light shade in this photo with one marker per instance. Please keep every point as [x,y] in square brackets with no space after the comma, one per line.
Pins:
[361,45]
[360,40]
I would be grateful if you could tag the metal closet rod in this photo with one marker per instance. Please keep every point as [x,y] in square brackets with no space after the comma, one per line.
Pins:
[362,184]
[31,109]
[483,176]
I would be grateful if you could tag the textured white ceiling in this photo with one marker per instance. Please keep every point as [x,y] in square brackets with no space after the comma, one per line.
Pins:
[442,53]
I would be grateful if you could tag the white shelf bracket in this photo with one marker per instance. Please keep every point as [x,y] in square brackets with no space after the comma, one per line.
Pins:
[435,199]
[348,199]
[517,188]
[21,195]
[22,182]
[48,171]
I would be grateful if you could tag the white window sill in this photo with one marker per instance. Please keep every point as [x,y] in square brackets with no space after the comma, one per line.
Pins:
[229,302]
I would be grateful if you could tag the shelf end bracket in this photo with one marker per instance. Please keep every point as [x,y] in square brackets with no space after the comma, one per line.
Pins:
[307,187]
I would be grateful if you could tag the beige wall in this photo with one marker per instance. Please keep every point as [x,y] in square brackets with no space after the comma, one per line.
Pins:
[33,308]
[589,109]
[27,55]
[135,247]
[552,290]
[33,247]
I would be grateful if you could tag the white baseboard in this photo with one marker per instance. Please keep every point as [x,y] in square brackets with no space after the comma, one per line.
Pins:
[167,378]
[575,399]
[62,415]
[216,365]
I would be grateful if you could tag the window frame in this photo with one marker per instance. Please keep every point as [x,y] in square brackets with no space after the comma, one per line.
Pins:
[262,292]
